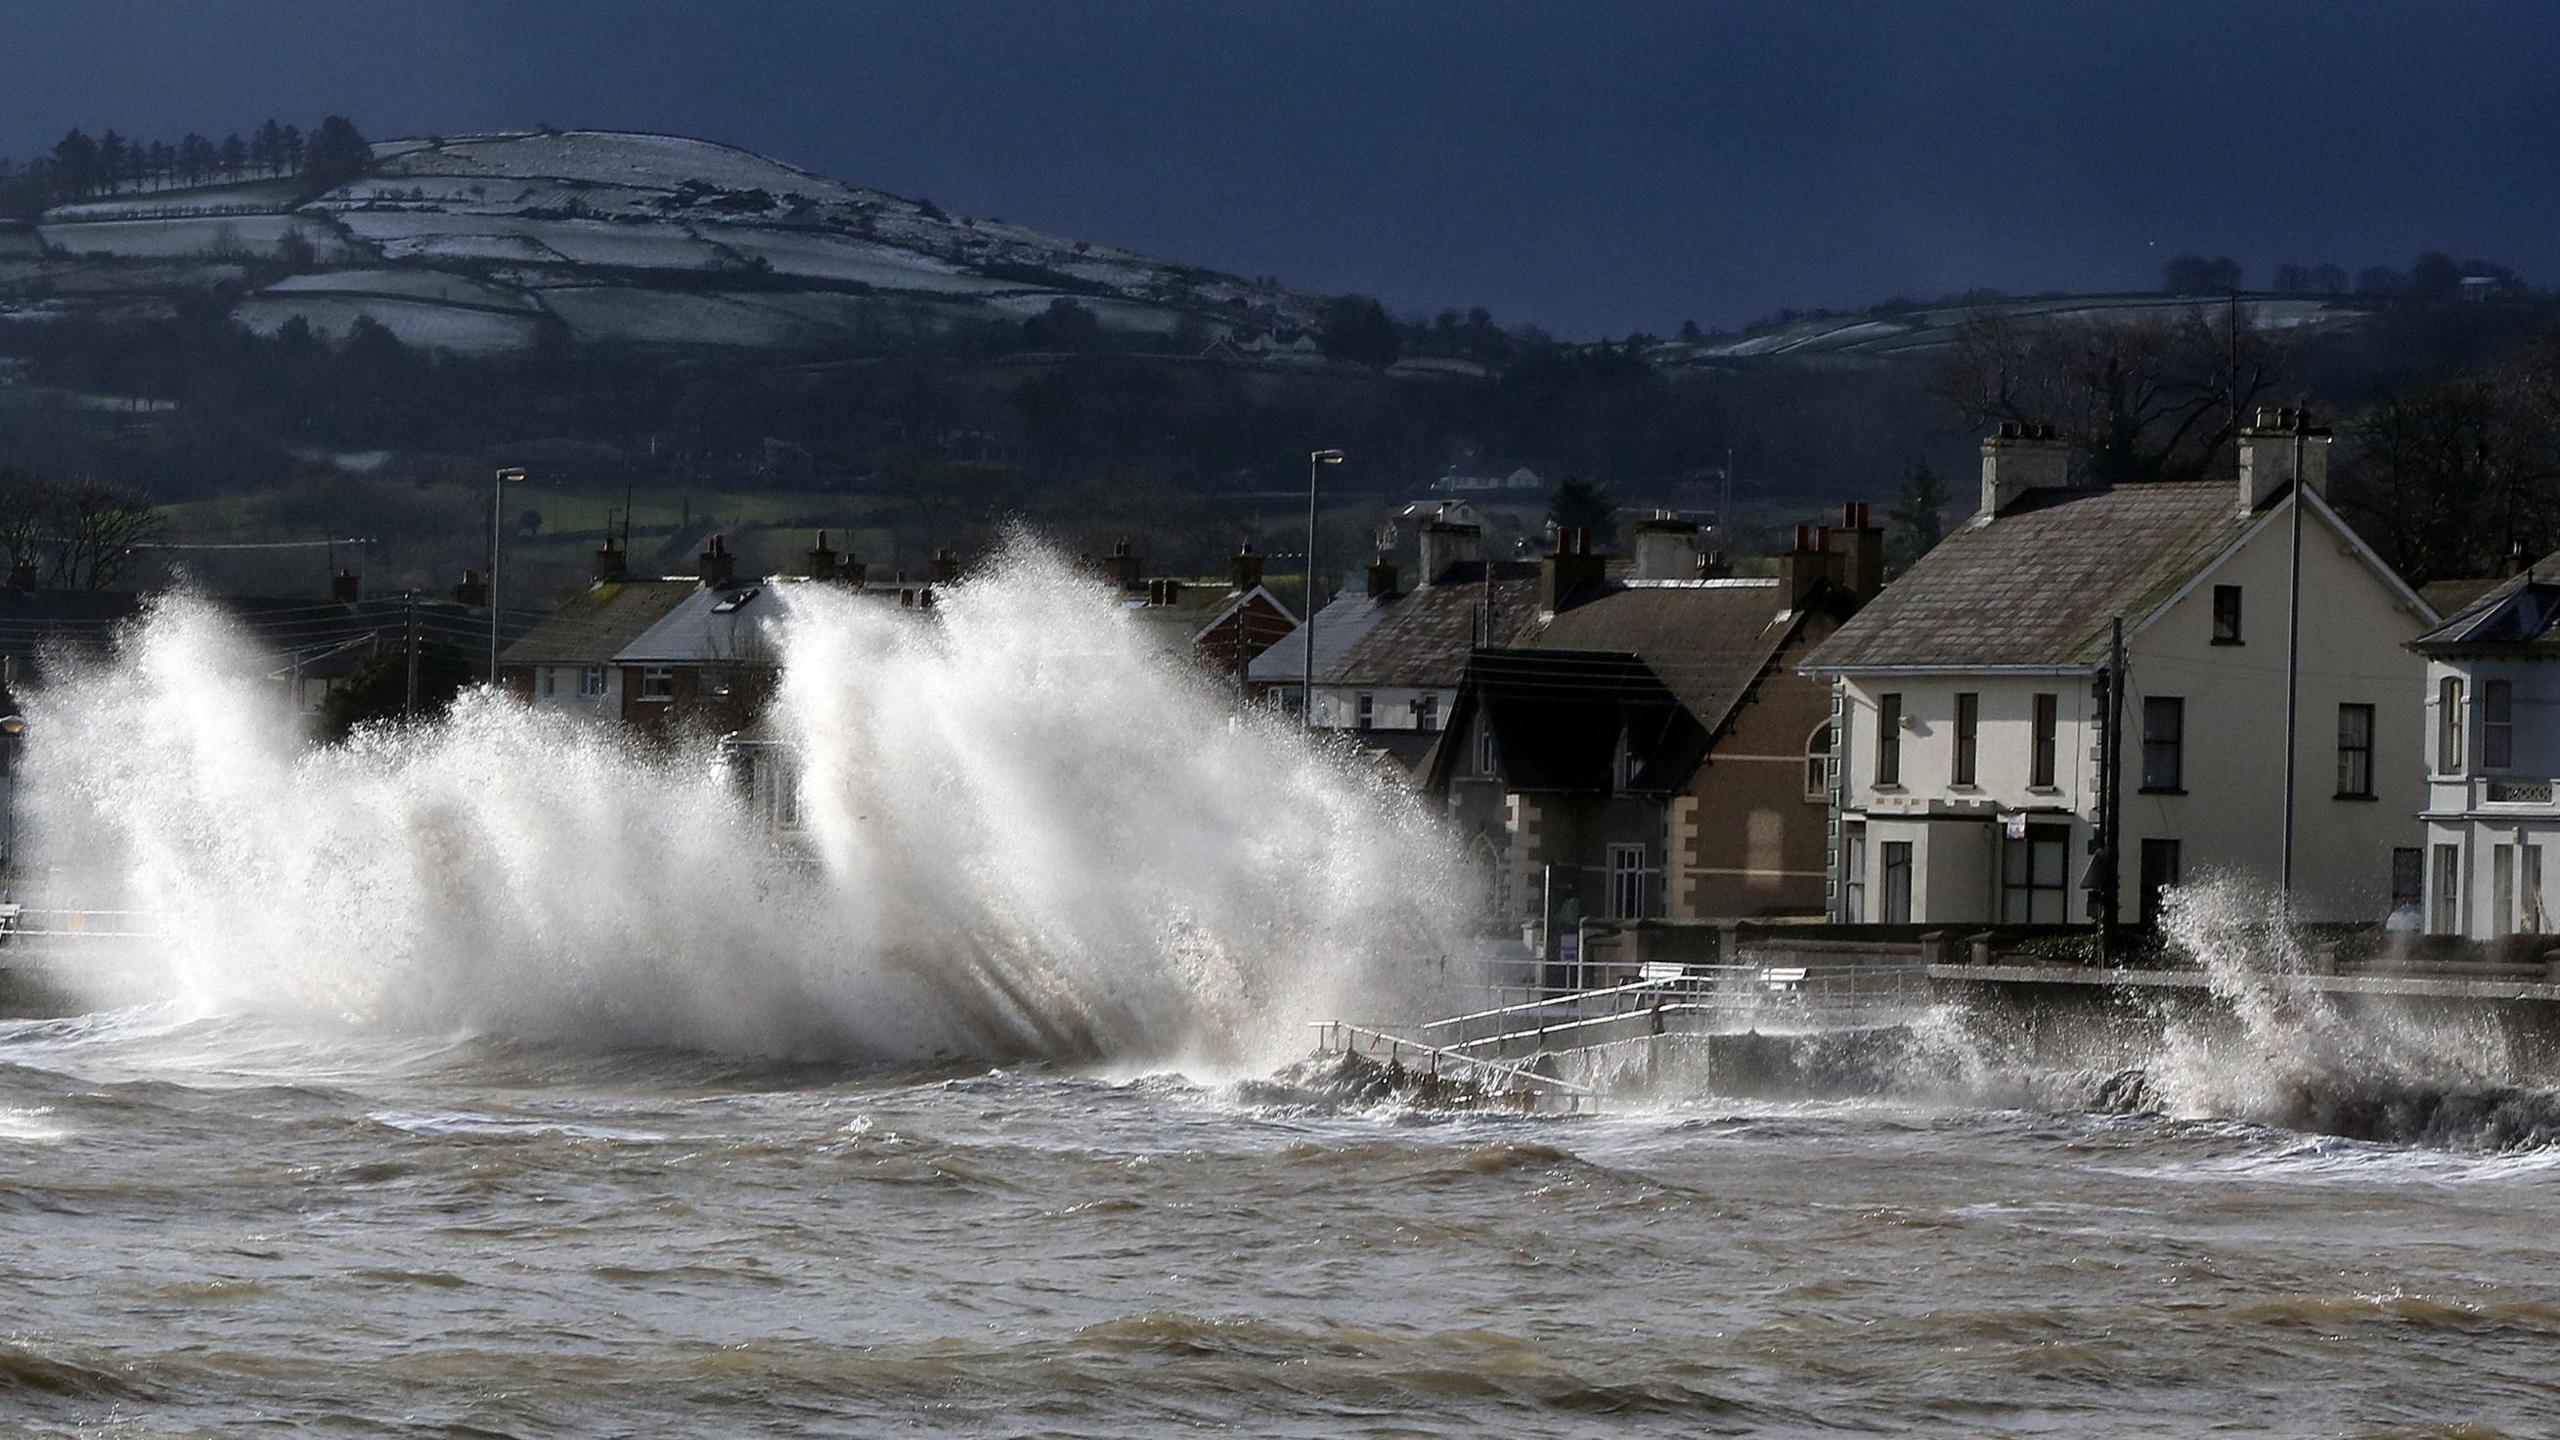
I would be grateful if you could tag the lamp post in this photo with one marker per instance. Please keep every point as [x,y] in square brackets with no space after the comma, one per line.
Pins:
[497,536]
[13,729]
[1316,461]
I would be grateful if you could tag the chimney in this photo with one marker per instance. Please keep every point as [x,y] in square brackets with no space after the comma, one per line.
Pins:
[824,563]
[345,588]
[1810,563]
[1245,571]
[1858,542]
[611,563]
[716,566]
[1666,548]
[473,591]
[2017,458]
[946,567]
[1382,578]
[1570,573]
[853,572]
[1120,567]
[1446,543]
[2266,456]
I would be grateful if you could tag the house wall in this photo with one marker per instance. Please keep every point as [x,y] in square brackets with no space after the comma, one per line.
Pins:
[690,705]
[2229,816]
[1392,707]
[1748,840]
[1953,854]
[2355,633]
[555,687]
[2466,810]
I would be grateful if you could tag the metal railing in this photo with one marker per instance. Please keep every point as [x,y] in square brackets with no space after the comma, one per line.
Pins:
[1780,992]
[1493,1078]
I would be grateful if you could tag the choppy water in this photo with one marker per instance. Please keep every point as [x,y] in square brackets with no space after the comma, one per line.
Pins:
[497,1081]
[213,1227]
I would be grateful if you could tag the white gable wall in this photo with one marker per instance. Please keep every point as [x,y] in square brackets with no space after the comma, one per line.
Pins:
[2355,629]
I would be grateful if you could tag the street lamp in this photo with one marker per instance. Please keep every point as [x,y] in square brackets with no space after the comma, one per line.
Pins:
[497,536]
[1316,460]
[14,729]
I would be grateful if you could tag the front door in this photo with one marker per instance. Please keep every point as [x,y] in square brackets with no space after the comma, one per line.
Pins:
[2034,888]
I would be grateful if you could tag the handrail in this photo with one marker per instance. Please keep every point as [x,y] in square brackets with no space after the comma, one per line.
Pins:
[1332,1035]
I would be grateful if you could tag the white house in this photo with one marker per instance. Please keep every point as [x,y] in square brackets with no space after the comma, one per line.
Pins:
[1972,708]
[2493,748]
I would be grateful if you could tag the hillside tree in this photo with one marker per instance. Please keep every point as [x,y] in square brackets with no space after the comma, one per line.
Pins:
[336,155]
[1918,519]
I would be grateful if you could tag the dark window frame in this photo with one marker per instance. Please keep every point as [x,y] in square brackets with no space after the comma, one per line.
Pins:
[2355,752]
[1967,769]
[2044,738]
[1889,739]
[2226,615]
[2164,747]
[2497,724]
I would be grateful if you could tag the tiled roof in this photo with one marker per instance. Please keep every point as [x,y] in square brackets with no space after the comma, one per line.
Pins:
[2037,585]
[590,627]
[1706,641]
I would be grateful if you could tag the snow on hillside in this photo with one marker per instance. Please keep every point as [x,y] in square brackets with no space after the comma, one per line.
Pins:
[615,234]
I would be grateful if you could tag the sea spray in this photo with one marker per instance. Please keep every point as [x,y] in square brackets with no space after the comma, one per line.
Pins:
[1032,834]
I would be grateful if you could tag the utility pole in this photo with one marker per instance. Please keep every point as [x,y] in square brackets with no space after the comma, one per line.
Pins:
[1316,459]
[2107,864]
[497,536]
[409,706]
[2293,657]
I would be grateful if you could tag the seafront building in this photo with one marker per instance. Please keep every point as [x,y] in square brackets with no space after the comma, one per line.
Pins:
[1645,748]
[2492,751]
[2080,698]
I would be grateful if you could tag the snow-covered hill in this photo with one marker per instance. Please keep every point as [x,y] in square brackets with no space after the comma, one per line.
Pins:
[482,242]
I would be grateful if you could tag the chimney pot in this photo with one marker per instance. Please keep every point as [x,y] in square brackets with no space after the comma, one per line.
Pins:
[2266,456]
[946,567]
[345,587]
[1245,571]
[1382,578]
[716,566]
[473,591]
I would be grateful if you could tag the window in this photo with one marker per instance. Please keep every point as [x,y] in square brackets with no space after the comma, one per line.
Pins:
[550,682]
[1365,710]
[2408,878]
[1853,874]
[2164,742]
[1968,736]
[591,683]
[2502,889]
[1629,760]
[1426,712]
[1484,748]
[2040,743]
[2160,869]
[2529,889]
[1888,739]
[2497,724]
[2226,614]
[2449,725]
[2444,916]
[1630,882]
[2033,885]
[657,683]
[1817,763]
[1897,882]
[2355,752]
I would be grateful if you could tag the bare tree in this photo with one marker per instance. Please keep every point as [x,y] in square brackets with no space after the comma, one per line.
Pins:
[2139,400]
[96,530]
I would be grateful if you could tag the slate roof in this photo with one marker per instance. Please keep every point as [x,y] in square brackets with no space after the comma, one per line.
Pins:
[711,626]
[1705,641]
[2520,614]
[1339,625]
[591,626]
[2036,586]
[1420,639]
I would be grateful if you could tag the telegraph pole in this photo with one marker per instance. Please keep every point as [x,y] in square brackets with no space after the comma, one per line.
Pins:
[2293,658]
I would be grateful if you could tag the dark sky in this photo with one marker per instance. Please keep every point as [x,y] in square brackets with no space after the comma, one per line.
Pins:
[1592,167]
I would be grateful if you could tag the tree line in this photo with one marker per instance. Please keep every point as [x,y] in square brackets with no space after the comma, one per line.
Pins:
[83,167]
